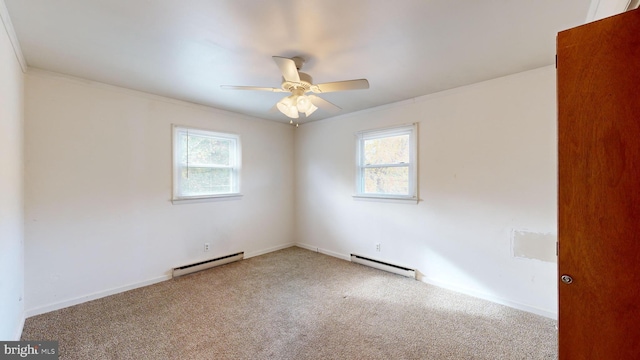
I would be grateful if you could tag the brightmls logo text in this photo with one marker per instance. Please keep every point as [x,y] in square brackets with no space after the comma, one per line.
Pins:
[40,350]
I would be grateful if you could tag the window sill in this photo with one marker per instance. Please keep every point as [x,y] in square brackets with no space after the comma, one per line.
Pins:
[386,198]
[192,200]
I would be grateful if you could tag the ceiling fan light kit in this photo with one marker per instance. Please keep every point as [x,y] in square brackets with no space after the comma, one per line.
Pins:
[296,103]
[298,84]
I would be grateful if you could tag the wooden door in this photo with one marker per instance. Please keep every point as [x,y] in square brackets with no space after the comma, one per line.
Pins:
[599,189]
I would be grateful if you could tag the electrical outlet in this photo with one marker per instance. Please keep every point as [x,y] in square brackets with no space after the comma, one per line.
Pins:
[377,247]
[206,246]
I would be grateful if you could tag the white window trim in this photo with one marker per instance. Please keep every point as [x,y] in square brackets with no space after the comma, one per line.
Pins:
[361,136]
[180,199]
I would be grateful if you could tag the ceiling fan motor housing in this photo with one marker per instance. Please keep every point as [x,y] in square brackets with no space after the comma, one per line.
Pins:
[304,83]
[298,84]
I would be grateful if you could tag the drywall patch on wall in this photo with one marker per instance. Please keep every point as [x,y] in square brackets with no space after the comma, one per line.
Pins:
[533,245]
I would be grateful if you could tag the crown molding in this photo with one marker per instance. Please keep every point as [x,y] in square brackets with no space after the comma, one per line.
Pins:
[13,38]
[600,9]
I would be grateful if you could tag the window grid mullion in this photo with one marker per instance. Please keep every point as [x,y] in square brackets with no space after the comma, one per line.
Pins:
[362,165]
[222,182]
[206,166]
[374,166]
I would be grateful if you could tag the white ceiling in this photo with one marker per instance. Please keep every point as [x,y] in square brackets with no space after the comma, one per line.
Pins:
[186,49]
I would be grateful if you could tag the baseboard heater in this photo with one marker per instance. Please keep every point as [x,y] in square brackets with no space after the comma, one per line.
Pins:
[396,269]
[207,264]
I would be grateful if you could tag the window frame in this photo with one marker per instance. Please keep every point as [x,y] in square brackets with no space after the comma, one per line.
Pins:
[362,136]
[235,164]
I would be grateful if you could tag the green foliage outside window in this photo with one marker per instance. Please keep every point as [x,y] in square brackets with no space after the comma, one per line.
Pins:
[387,162]
[384,151]
[206,163]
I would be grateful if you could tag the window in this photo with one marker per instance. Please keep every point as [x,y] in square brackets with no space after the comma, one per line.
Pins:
[386,163]
[205,164]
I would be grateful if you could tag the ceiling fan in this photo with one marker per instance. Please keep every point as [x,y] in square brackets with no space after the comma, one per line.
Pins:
[299,84]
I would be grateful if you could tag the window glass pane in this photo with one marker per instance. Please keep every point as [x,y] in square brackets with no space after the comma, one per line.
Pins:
[205,181]
[387,180]
[206,150]
[182,147]
[387,150]
[206,164]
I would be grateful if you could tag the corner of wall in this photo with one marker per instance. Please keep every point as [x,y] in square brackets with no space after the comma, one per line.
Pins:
[11,180]
[18,333]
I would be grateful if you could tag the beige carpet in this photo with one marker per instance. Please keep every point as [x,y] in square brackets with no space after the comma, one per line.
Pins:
[294,304]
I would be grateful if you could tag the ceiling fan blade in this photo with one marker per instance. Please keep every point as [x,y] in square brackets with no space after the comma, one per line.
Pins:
[341,86]
[323,104]
[287,68]
[231,87]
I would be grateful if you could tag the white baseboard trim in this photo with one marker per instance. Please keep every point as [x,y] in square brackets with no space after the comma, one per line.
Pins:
[307,246]
[335,254]
[268,250]
[93,296]
[494,299]
[100,294]
[18,333]
[323,251]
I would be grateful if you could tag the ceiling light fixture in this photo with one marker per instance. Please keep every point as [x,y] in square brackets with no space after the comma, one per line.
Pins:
[299,83]
[296,103]
[288,106]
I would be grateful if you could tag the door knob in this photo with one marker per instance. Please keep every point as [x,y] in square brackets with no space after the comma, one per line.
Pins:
[566,279]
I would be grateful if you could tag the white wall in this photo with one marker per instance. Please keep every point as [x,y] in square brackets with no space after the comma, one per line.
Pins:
[98,219]
[11,191]
[487,168]
[98,216]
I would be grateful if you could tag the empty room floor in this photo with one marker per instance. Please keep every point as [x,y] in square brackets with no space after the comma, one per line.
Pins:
[294,304]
